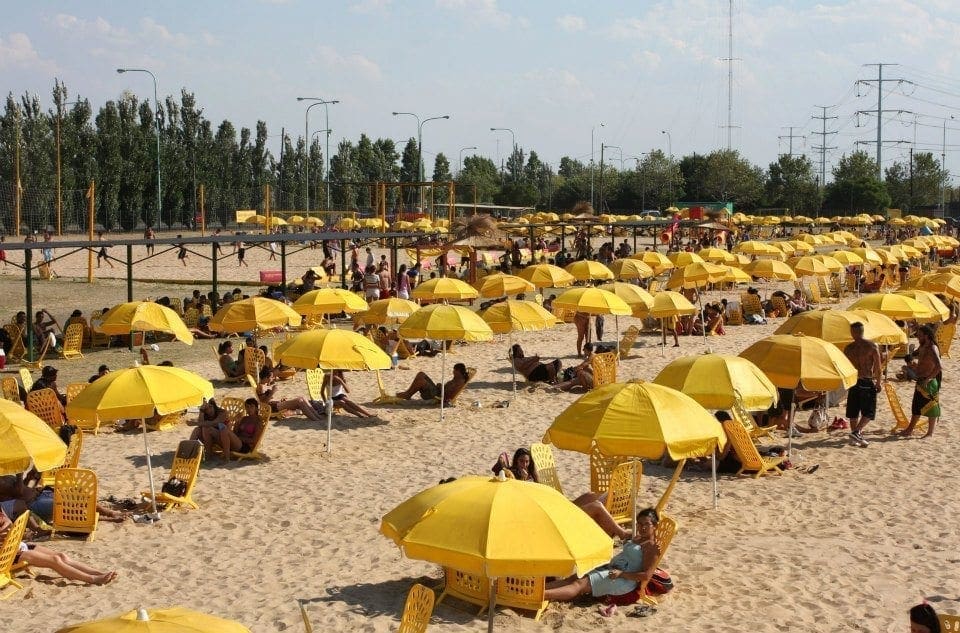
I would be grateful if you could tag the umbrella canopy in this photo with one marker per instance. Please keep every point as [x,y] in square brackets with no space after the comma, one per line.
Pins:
[547,276]
[253,313]
[637,419]
[669,304]
[26,440]
[831,263]
[517,316]
[329,301]
[930,301]
[500,285]
[138,392]
[883,329]
[868,255]
[801,247]
[717,256]
[444,288]
[696,275]
[144,316]
[940,283]
[795,360]
[655,260]
[833,326]
[683,258]
[770,269]
[717,381]
[631,269]
[809,267]
[736,275]
[753,247]
[812,240]
[387,311]
[592,301]
[473,525]
[445,323]
[847,258]
[639,300]
[332,349]
[895,306]
[172,620]
[589,270]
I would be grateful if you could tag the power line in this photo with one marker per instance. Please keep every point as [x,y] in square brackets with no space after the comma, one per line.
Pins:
[823,147]
[880,81]
[790,137]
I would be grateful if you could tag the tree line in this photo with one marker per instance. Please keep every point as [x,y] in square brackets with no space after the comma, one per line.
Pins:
[115,146]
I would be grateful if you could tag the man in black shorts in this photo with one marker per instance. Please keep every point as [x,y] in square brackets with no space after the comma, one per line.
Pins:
[862,397]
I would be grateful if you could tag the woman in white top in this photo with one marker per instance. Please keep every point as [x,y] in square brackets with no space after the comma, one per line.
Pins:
[340,391]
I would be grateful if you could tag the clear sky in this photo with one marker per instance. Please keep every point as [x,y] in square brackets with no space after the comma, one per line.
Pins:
[549,69]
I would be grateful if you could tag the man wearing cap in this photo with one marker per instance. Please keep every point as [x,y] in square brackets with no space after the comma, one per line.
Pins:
[862,397]
[48,380]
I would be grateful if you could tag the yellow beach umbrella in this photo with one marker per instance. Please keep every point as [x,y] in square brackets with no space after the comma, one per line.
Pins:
[655,260]
[329,301]
[868,255]
[812,240]
[920,243]
[809,267]
[512,316]
[716,255]
[144,316]
[897,222]
[347,224]
[938,309]
[895,306]
[785,247]
[718,381]
[631,269]
[770,269]
[295,219]
[27,441]
[140,392]
[172,620]
[831,263]
[940,283]
[848,258]
[833,326]
[254,313]
[792,361]
[737,276]
[639,300]
[256,219]
[500,285]
[886,257]
[588,270]
[592,301]
[387,311]
[904,251]
[760,249]
[444,288]
[671,304]
[801,247]
[683,258]
[696,275]
[882,329]
[546,276]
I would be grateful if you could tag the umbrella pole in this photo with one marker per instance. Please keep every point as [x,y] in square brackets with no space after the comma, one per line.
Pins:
[713,469]
[513,368]
[703,321]
[153,487]
[443,364]
[492,605]
[616,320]
[330,411]
[663,337]
[790,431]
[673,482]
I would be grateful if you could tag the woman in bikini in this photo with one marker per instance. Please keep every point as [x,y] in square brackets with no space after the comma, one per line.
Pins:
[531,367]
[243,437]
[231,368]
[340,391]
[265,393]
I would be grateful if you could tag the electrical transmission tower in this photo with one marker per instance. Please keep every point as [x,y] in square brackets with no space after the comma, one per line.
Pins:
[790,138]
[729,59]
[823,147]
[879,81]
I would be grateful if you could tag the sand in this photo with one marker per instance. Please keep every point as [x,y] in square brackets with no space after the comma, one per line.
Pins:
[850,547]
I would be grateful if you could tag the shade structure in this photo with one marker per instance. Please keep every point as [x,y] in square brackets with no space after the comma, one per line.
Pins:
[473,525]
[681,259]
[770,269]
[833,326]
[670,304]
[831,263]
[252,314]
[172,620]
[717,381]
[329,301]
[444,288]
[139,392]
[592,301]
[882,329]
[501,285]
[144,316]
[589,270]
[903,251]
[716,255]
[809,267]
[760,249]
[696,275]
[736,275]
[940,283]
[938,309]
[387,311]
[517,316]
[655,260]
[813,240]
[868,255]
[847,258]
[546,276]
[886,257]
[27,441]
[631,269]
[639,300]
[792,360]
[895,306]
[800,247]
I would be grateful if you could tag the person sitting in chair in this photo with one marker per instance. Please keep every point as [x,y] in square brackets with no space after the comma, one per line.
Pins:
[531,367]
[580,376]
[265,393]
[242,438]
[231,368]
[340,398]
[48,380]
[430,390]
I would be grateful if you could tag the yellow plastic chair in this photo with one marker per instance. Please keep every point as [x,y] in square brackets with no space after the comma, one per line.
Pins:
[26,379]
[191,318]
[542,455]
[629,338]
[744,417]
[74,389]
[166,422]
[663,535]
[186,465]
[604,368]
[44,404]
[176,304]
[11,390]
[466,587]
[235,409]
[15,333]
[654,286]
[524,592]
[949,623]
[253,360]
[734,315]
[747,453]
[780,306]
[385,396]
[601,469]
[404,351]
[417,610]
[73,341]
[902,421]
[97,337]
[75,502]
[71,460]
[315,384]
[255,449]
[944,338]
[624,483]
[9,549]
[750,305]
[225,378]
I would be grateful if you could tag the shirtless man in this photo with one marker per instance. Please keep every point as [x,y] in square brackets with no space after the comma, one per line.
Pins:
[926,395]
[582,321]
[862,398]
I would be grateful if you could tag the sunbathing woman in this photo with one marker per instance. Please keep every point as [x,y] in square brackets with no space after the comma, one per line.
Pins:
[244,435]
[211,422]
[265,393]
[531,367]
[340,391]
[429,390]
[231,368]
[40,556]
[633,566]
[581,375]
[521,466]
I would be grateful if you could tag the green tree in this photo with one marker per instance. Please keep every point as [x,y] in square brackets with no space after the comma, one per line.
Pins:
[344,176]
[792,184]
[479,172]
[731,178]
[855,187]
[408,163]
[570,167]
[694,169]
[921,188]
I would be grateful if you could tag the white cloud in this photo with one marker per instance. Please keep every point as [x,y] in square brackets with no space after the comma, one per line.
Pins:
[154,31]
[647,59]
[557,86]
[371,7]
[17,51]
[328,57]
[571,23]
[484,11]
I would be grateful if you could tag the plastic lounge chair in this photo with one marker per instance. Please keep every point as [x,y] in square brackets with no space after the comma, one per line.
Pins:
[44,404]
[97,337]
[315,384]
[191,318]
[629,338]
[17,350]
[26,379]
[417,610]
[542,456]
[70,460]
[734,315]
[523,592]
[750,305]
[73,390]
[780,306]
[253,361]
[944,337]
[234,407]
[466,587]
[744,417]
[604,368]
[9,548]
[624,483]
[11,390]
[75,502]
[38,362]
[226,378]
[902,421]
[601,469]
[663,535]
[186,465]
[255,449]
[404,351]
[451,396]
[72,341]
[747,453]
[385,397]
[949,623]
[166,421]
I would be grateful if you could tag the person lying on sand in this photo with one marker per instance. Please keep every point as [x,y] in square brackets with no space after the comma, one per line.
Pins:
[430,390]
[531,368]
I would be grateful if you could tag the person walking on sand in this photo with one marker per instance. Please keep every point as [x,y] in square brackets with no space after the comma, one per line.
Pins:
[102,253]
[182,253]
[582,321]
[148,234]
[218,248]
[926,395]
[241,251]
[273,251]
[3,253]
[862,397]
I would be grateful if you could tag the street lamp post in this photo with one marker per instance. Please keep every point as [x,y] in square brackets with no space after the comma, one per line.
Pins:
[643,179]
[420,125]
[943,162]
[307,137]
[460,162]
[156,120]
[513,137]
[603,147]
[591,161]
[670,152]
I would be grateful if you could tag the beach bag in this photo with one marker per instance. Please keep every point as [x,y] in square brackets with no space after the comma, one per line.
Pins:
[174,487]
[660,584]
[818,420]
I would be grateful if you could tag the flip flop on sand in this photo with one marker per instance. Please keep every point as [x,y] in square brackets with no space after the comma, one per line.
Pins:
[642,611]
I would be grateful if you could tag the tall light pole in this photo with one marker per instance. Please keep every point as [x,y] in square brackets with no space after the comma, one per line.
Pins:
[670,152]
[513,138]
[460,162]
[591,161]
[156,120]
[602,148]
[943,161]
[420,125]
[643,179]
[307,137]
